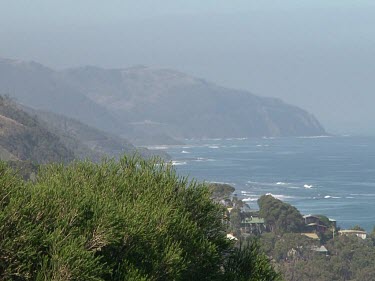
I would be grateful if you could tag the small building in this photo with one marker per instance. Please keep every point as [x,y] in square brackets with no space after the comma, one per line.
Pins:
[333,223]
[350,232]
[320,228]
[231,237]
[311,235]
[320,249]
[254,225]
[309,219]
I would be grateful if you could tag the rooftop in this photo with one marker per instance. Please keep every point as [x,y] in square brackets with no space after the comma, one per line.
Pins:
[349,231]
[311,235]
[320,249]
[253,220]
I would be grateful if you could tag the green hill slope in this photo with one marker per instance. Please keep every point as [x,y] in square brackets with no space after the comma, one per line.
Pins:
[23,137]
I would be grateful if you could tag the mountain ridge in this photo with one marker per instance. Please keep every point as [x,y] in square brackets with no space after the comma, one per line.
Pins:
[155,106]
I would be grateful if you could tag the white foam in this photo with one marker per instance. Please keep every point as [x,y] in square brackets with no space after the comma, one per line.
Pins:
[249,199]
[280,196]
[223,182]
[281,183]
[178,163]
[157,147]
[246,192]
[314,137]
[213,146]
[307,186]
[331,197]
[201,159]
[185,152]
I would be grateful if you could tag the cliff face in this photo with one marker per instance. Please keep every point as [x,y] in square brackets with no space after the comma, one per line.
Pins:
[153,106]
[186,107]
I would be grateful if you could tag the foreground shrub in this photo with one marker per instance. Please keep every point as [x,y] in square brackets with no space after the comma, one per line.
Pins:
[126,220]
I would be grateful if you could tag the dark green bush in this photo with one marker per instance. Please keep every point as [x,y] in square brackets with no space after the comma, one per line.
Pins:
[126,220]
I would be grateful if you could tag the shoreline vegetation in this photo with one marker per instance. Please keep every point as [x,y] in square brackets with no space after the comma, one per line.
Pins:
[126,219]
[136,219]
[301,247]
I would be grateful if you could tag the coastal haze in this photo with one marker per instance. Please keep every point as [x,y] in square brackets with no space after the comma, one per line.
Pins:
[148,139]
[314,54]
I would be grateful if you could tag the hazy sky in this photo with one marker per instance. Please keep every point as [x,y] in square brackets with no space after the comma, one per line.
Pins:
[317,54]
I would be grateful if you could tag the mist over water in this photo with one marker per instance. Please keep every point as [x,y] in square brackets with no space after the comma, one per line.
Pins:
[333,176]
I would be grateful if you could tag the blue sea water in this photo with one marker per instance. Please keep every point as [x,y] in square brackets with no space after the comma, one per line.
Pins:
[334,176]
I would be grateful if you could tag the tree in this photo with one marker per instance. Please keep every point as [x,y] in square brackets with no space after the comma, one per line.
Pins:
[279,216]
[357,227]
[127,220]
[220,190]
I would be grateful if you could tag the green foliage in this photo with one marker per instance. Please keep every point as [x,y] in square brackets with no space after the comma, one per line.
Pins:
[24,137]
[248,263]
[349,258]
[279,216]
[357,227]
[126,220]
[220,190]
[26,169]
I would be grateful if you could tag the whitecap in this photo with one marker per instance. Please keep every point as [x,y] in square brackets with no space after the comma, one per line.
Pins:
[307,186]
[178,163]
[280,196]
[281,183]
[223,182]
[185,152]
[249,199]
[157,147]
[314,137]
[201,159]
[213,146]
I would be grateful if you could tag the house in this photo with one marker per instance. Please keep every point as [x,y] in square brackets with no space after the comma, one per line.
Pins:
[311,219]
[321,249]
[254,225]
[231,237]
[350,232]
[333,223]
[320,228]
[311,235]
[319,223]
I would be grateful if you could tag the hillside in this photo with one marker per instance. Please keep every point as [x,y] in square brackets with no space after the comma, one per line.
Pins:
[42,137]
[35,85]
[88,142]
[23,137]
[186,107]
[153,106]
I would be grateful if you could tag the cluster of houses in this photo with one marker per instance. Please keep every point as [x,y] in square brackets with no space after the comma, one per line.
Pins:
[315,226]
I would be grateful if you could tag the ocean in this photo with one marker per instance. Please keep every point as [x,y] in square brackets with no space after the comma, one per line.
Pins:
[333,176]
